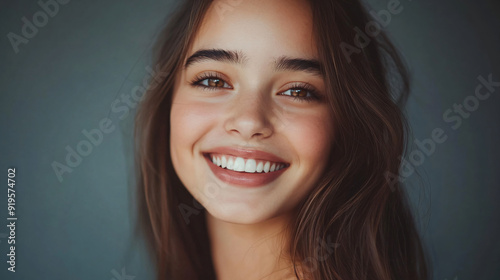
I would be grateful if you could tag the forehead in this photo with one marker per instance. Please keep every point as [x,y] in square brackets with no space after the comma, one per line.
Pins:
[258,28]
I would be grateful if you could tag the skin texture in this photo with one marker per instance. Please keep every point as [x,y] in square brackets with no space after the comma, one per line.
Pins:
[251,110]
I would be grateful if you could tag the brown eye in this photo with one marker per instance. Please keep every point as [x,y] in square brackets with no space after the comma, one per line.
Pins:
[215,83]
[301,92]
[298,93]
[212,83]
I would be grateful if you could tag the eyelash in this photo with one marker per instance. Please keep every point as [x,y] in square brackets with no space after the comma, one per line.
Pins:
[314,95]
[205,76]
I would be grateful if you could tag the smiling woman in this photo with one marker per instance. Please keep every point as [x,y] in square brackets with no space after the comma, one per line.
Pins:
[283,142]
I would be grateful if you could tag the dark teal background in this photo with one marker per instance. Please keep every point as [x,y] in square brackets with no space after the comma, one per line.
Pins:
[75,69]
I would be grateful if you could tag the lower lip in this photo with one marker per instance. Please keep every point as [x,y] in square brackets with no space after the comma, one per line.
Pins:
[243,178]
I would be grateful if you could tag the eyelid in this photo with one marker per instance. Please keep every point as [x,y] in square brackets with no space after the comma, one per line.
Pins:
[210,75]
[316,95]
[300,85]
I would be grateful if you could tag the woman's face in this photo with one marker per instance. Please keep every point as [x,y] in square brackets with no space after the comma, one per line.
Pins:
[251,96]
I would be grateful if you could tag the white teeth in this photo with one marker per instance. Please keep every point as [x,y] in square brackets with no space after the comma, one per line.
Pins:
[250,166]
[223,162]
[266,166]
[239,164]
[246,165]
[260,167]
[230,163]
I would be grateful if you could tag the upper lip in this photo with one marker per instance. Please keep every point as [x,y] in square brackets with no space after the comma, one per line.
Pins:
[246,153]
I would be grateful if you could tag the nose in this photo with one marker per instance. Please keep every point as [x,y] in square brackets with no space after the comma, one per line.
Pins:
[249,117]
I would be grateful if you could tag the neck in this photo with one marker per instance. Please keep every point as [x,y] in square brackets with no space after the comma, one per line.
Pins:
[255,252]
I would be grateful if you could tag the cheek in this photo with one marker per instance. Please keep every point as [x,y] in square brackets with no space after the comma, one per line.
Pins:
[311,137]
[189,122]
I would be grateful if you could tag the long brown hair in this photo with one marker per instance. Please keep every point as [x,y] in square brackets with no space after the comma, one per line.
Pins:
[353,206]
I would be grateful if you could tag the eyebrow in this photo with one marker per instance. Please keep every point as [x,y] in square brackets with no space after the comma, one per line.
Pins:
[312,66]
[283,63]
[217,55]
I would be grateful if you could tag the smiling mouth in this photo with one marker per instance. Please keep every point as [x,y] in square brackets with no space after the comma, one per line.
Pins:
[245,165]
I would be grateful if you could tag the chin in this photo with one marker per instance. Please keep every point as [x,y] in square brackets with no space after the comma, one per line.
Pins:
[242,213]
[238,213]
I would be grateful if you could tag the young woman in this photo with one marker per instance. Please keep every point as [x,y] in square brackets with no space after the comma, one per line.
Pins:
[264,153]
